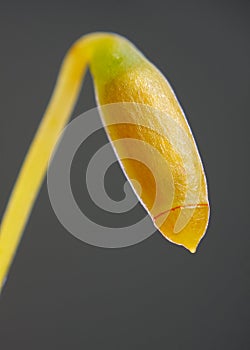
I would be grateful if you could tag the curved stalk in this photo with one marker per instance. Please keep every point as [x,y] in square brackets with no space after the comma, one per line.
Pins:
[35,164]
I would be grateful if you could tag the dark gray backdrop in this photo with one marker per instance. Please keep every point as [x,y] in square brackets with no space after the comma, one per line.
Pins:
[64,294]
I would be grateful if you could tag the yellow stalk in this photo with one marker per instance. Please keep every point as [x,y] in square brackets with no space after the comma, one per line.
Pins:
[35,164]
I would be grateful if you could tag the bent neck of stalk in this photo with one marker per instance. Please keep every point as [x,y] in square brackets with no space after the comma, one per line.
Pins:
[107,54]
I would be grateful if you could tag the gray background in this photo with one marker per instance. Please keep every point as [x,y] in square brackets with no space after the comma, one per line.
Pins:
[64,294]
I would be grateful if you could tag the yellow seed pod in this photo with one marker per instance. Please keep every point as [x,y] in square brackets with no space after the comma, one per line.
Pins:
[122,74]
[150,113]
